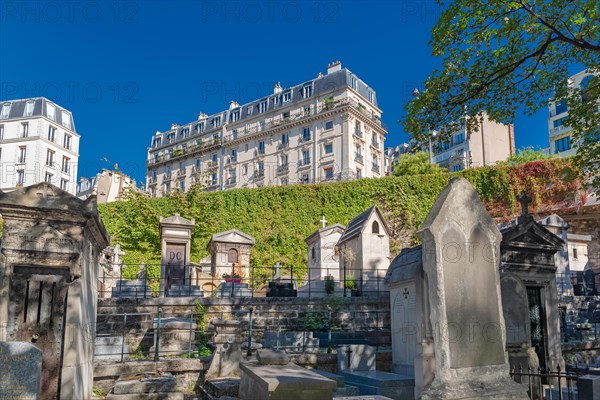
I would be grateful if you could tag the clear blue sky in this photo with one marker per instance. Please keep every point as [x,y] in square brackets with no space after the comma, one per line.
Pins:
[128,68]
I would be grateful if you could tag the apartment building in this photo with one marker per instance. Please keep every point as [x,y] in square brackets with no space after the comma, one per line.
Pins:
[38,143]
[323,130]
[491,143]
[391,156]
[560,134]
[106,185]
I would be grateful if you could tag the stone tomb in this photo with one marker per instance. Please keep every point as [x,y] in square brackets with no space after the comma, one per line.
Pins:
[177,336]
[357,364]
[20,371]
[175,270]
[273,377]
[447,322]
[49,263]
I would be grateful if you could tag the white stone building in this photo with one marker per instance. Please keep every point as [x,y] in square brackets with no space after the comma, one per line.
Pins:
[559,134]
[107,186]
[491,143]
[326,129]
[38,143]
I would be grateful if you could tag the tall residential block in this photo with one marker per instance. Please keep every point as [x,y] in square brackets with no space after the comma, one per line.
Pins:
[323,130]
[560,134]
[38,143]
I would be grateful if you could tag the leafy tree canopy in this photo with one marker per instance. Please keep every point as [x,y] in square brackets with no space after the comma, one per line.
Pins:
[526,154]
[416,164]
[501,56]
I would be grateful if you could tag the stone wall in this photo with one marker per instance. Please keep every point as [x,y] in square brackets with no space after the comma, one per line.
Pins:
[590,351]
[588,223]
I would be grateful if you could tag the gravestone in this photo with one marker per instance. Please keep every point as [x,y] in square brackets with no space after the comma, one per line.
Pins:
[461,259]
[356,357]
[234,289]
[228,352]
[177,336]
[281,286]
[20,371]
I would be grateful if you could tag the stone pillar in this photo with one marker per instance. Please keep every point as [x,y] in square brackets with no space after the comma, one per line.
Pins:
[175,239]
[461,259]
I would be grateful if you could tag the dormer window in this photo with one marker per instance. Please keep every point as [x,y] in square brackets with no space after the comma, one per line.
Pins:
[216,121]
[66,119]
[307,91]
[51,112]
[200,127]
[354,83]
[234,116]
[262,106]
[5,110]
[249,110]
[287,96]
[28,109]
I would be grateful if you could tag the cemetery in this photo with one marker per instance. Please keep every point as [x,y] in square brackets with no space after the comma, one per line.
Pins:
[479,309]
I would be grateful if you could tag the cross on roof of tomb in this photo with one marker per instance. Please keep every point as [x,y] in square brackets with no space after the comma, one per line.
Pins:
[323,221]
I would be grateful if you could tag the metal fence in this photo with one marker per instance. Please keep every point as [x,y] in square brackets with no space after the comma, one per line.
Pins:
[542,384]
[198,281]
[124,337]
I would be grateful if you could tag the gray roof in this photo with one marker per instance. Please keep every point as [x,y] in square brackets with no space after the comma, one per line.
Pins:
[405,265]
[323,84]
[40,109]
[356,226]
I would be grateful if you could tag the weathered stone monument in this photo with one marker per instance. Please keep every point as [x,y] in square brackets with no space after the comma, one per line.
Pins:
[228,351]
[175,273]
[447,323]
[49,267]
[529,291]
[230,253]
[20,371]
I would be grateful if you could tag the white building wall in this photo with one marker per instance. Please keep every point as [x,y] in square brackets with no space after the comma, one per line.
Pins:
[37,144]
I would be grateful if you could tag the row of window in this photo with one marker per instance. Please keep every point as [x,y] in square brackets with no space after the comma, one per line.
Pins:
[49,177]
[562,144]
[28,112]
[24,132]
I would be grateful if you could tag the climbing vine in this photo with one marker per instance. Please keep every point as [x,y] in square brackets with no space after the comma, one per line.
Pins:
[281,217]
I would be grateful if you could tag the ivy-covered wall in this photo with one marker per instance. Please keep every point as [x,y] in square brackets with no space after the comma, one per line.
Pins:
[280,218]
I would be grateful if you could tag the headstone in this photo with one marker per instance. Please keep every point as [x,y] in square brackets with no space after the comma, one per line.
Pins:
[461,259]
[177,336]
[271,357]
[298,341]
[228,352]
[588,387]
[20,371]
[356,357]
[234,289]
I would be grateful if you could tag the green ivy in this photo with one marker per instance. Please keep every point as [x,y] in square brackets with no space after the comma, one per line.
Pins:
[281,217]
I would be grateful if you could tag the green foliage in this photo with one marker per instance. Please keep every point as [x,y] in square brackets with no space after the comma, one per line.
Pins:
[350,282]
[280,218]
[508,57]
[99,392]
[202,337]
[526,154]
[416,164]
[322,317]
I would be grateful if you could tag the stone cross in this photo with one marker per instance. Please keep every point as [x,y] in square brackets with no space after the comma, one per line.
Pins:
[348,353]
[323,221]
[525,200]
[46,192]
[277,268]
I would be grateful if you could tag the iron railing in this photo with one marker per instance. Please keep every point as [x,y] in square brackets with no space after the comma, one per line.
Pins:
[542,384]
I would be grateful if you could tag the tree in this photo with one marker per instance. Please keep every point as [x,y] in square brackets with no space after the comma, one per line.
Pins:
[524,155]
[500,56]
[416,164]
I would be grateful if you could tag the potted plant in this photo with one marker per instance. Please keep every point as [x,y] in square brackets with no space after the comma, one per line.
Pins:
[235,278]
[328,103]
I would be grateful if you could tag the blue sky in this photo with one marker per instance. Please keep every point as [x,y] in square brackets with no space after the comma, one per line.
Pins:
[128,68]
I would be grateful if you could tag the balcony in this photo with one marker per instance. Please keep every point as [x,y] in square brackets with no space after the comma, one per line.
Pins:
[359,133]
[359,158]
[283,169]
[181,172]
[231,181]
[304,162]
[305,138]
[259,174]
[375,168]
[559,130]
[167,176]
[282,146]
[212,164]
[375,144]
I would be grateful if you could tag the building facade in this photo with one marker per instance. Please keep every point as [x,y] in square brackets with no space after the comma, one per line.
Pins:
[38,143]
[107,186]
[560,135]
[323,130]
[491,143]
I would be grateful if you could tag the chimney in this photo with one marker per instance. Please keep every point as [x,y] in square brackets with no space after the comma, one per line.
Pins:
[277,88]
[202,116]
[334,66]
[174,126]
[233,104]
[319,75]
